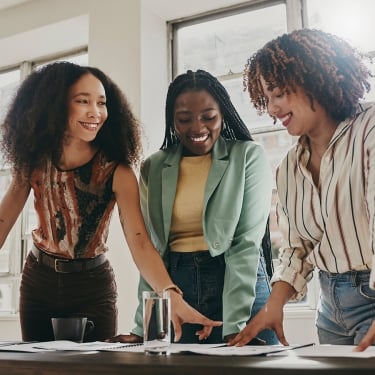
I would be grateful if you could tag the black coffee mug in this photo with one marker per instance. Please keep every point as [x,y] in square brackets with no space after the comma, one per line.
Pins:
[71,328]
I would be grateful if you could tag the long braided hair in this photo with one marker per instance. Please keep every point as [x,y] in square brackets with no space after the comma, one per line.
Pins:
[233,126]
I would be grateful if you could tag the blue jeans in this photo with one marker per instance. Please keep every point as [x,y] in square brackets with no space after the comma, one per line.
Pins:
[45,293]
[346,308]
[201,278]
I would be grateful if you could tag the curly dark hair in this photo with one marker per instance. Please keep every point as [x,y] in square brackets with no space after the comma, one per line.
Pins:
[233,126]
[326,67]
[35,124]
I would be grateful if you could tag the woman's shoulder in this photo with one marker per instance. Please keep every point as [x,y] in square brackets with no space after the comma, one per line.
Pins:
[162,155]
[366,112]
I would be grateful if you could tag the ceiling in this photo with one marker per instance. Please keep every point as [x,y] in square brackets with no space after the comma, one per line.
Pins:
[4,4]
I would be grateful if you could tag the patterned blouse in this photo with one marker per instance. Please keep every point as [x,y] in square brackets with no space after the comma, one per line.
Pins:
[74,208]
[332,226]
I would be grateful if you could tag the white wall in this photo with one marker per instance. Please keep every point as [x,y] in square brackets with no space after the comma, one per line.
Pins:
[127,39]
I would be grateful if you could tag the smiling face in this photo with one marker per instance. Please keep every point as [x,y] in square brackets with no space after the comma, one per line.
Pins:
[293,110]
[87,110]
[197,121]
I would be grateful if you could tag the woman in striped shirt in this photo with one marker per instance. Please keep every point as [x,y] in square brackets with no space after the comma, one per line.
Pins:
[313,83]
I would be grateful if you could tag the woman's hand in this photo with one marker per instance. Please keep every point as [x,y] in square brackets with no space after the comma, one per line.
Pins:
[266,318]
[269,317]
[254,341]
[129,338]
[182,313]
[368,340]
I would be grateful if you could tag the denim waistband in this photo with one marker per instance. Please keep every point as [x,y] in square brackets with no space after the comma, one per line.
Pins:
[193,257]
[349,275]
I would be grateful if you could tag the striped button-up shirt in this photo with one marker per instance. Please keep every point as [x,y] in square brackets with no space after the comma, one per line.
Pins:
[332,226]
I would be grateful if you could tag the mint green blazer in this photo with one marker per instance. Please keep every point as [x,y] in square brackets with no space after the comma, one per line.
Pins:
[236,206]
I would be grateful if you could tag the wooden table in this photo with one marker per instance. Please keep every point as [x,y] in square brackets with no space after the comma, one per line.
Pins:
[108,363]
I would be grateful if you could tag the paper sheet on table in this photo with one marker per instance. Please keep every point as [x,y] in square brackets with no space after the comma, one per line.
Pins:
[224,350]
[329,351]
[204,349]
[62,345]
[84,347]
[26,347]
[210,349]
[4,343]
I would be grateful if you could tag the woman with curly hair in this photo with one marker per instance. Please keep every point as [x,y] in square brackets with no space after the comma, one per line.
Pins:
[70,136]
[313,83]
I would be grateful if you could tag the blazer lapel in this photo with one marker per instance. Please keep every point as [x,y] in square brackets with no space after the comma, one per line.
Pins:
[169,184]
[219,165]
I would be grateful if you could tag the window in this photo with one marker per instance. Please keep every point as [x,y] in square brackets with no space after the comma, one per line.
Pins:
[351,20]
[10,252]
[221,42]
[18,243]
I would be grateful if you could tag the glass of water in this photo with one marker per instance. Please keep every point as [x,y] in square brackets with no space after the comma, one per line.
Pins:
[156,322]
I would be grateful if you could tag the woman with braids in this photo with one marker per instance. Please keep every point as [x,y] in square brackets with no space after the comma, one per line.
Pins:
[71,137]
[314,82]
[205,197]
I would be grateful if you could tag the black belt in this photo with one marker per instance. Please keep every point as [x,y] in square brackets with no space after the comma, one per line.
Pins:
[63,265]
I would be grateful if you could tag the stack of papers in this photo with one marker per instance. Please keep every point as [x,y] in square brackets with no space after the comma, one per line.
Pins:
[307,350]
[330,351]
[205,349]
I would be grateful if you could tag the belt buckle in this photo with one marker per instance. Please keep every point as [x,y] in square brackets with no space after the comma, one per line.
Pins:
[57,261]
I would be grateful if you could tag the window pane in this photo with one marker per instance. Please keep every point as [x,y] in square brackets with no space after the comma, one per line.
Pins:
[5,250]
[80,59]
[351,20]
[241,101]
[8,85]
[6,297]
[223,45]
[276,143]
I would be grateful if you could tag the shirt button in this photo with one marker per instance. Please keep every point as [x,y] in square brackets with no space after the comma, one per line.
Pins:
[216,245]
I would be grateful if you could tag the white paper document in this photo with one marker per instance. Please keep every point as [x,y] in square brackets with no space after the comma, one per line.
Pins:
[224,350]
[330,351]
[204,349]
[26,347]
[62,345]
[307,350]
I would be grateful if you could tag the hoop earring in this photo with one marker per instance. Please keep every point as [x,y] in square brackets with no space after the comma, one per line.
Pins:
[224,127]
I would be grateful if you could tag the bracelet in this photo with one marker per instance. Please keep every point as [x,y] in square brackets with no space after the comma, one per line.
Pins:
[175,288]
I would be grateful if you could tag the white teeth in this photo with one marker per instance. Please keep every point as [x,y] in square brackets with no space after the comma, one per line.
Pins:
[285,117]
[89,125]
[199,139]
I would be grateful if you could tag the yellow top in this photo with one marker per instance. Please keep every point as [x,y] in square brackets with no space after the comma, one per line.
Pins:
[186,229]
